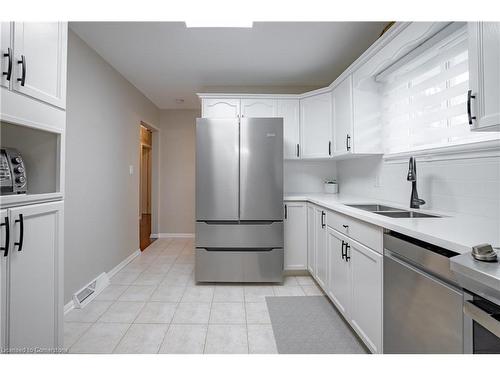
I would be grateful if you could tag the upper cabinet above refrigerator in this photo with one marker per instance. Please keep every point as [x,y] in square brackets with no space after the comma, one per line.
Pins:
[483,104]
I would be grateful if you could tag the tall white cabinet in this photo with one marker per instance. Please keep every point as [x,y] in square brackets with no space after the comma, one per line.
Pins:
[289,110]
[484,76]
[33,121]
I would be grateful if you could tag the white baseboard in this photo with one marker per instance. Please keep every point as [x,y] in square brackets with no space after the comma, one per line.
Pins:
[153,235]
[123,263]
[175,235]
[71,305]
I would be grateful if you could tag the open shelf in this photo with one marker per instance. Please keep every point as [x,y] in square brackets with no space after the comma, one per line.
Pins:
[41,152]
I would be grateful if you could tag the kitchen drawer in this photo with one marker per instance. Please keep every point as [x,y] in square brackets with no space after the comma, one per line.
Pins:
[367,234]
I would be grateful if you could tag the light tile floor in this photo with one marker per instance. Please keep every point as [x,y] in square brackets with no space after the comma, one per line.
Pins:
[154,306]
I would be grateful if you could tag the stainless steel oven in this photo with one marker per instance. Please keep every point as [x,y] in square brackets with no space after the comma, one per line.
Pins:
[481,325]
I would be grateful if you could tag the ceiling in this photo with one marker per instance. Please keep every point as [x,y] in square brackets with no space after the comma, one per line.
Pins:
[167,61]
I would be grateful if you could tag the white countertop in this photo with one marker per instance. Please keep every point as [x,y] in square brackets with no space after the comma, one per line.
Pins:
[454,232]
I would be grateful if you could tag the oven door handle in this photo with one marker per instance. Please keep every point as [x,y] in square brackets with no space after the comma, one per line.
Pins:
[482,317]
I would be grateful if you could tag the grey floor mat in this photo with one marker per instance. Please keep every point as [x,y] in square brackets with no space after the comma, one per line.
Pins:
[310,325]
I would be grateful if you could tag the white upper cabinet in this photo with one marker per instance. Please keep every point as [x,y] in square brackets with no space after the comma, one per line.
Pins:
[295,236]
[258,108]
[484,76]
[40,50]
[289,110]
[342,116]
[316,126]
[5,54]
[221,108]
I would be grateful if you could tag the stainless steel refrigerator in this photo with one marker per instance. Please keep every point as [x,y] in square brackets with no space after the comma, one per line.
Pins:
[239,200]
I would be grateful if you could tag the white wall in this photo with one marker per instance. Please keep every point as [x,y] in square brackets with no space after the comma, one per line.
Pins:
[307,176]
[104,112]
[177,139]
[466,186]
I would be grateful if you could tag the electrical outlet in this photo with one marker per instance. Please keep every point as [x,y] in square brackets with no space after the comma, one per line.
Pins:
[376,182]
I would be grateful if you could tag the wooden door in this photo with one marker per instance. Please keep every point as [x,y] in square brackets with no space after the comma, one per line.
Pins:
[221,108]
[339,280]
[288,109]
[258,108]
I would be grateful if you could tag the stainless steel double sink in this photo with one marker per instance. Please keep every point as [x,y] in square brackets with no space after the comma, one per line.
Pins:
[391,211]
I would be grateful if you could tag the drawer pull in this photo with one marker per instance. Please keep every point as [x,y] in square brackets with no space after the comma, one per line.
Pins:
[345,226]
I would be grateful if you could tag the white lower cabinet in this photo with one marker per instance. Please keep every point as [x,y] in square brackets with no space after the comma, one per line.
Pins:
[311,233]
[355,286]
[32,285]
[320,247]
[339,272]
[295,236]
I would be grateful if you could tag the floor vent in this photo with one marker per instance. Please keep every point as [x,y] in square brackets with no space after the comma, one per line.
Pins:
[90,291]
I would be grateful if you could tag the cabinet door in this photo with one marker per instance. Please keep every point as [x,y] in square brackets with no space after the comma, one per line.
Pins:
[316,126]
[258,108]
[366,307]
[339,273]
[35,277]
[342,116]
[44,47]
[484,74]
[289,110]
[295,236]
[4,50]
[5,243]
[221,108]
[311,234]
[321,237]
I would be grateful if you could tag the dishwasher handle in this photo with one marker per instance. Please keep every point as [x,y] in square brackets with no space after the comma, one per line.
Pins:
[482,317]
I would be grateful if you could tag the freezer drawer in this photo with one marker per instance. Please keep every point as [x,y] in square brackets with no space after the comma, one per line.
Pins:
[239,235]
[239,266]
[217,169]
[261,169]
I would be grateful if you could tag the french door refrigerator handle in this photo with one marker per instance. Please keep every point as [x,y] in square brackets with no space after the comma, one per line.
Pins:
[21,232]
[7,237]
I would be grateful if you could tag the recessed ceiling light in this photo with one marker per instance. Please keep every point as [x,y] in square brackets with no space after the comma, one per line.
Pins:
[219,23]
[179,101]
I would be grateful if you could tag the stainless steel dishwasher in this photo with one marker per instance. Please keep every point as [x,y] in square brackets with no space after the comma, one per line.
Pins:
[422,302]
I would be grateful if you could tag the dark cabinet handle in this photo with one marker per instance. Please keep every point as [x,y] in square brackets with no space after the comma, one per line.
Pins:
[286,212]
[343,244]
[348,142]
[298,150]
[7,237]
[21,232]
[347,247]
[469,111]
[345,226]
[23,72]
[323,219]
[330,148]
[8,73]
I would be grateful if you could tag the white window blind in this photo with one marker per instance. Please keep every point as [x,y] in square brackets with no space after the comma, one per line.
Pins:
[424,100]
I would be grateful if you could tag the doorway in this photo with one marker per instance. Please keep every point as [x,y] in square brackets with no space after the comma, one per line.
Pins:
[146,140]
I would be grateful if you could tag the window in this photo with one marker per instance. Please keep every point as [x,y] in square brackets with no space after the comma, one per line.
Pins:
[424,98]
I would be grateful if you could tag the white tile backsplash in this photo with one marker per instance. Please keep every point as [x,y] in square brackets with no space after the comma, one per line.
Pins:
[466,186]
[302,176]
